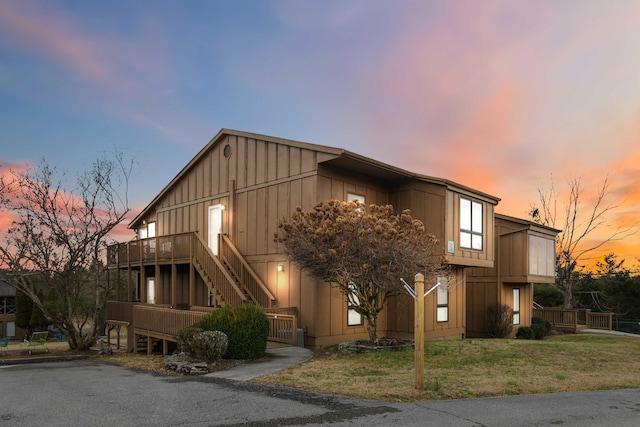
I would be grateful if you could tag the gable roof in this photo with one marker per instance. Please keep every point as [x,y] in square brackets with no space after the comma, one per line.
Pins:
[336,157]
[529,225]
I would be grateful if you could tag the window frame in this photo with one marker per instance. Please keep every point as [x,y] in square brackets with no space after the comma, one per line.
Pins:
[471,228]
[516,306]
[442,300]
[352,313]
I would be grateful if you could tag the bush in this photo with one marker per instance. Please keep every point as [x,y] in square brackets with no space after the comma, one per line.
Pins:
[209,346]
[499,321]
[541,328]
[524,333]
[539,331]
[184,338]
[246,327]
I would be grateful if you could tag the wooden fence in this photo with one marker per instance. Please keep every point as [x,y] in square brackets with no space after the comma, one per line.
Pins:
[575,319]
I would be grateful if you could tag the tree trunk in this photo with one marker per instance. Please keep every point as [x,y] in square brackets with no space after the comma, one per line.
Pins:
[567,294]
[372,328]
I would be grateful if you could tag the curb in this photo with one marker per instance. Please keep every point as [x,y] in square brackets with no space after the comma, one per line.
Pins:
[42,359]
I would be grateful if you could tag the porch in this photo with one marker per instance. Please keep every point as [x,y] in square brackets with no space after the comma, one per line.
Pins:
[574,320]
[226,274]
[188,280]
[145,326]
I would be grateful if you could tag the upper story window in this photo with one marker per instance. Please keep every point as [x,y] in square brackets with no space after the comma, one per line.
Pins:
[542,256]
[471,220]
[148,231]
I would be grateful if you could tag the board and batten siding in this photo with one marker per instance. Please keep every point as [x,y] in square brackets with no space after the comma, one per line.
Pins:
[400,311]
[462,256]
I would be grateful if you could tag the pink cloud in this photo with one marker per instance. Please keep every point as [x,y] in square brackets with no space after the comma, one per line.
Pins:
[128,66]
[50,33]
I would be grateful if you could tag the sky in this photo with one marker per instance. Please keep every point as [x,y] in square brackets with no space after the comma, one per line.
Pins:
[506,97]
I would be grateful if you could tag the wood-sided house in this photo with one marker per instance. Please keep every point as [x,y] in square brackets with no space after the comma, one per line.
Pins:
[525,255]
[8,311]
[207,240]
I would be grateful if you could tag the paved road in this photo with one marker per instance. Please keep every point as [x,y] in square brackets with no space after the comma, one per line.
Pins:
[93,393]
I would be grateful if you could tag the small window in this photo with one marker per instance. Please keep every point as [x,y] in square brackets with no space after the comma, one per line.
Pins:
[151,229]
[516,306]
[11,329]
[227,151]
[353,317]
[471,220]
[211,300]
[442,300]
[356,198]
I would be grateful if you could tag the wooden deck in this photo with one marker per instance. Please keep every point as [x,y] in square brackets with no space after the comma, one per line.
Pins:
[152,322]
[574,320]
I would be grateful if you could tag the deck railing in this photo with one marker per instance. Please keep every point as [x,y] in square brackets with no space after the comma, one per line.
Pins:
[163,321]
[574,319]
[120,310]
[283,328]
[601,321]
[254,286]
[161,248]
[217,274]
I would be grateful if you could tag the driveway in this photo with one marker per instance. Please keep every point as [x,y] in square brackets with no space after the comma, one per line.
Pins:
[89,392]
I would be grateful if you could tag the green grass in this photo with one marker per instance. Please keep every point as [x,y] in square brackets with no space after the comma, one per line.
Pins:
[474,368]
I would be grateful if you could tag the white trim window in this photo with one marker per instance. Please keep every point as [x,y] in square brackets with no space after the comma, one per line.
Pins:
[353,317]
[353,197]
[471,220]
[356,198]
[516,306]
[442,300]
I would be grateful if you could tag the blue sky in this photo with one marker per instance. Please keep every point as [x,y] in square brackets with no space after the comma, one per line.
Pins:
[496,95]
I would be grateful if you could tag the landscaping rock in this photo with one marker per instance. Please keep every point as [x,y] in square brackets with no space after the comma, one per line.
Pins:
[389,344]
[182,364]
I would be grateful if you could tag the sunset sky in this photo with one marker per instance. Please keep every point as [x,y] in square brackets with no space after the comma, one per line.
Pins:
[501,96]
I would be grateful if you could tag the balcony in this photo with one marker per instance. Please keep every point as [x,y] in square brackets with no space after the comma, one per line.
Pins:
[161,249]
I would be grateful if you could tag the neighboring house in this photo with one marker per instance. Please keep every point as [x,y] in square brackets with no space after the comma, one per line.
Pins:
[525,255]
[207,240]
[7,310]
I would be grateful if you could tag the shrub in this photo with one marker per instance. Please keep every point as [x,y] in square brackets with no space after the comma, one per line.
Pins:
[539,330]
[246,326]
[524,333]
[499,321]
[184,338]
[544,323]
[209,346]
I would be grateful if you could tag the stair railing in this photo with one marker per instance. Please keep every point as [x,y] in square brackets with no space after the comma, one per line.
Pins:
[249,280]
[217,274]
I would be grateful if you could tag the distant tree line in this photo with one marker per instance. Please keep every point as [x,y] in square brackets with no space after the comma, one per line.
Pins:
[610,286]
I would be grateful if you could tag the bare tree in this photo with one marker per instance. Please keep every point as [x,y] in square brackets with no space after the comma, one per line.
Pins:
[363,253]
[54,249]
[577,221]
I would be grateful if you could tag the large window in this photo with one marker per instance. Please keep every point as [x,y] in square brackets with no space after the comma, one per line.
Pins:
[442,300]
[516,306]
[353,317]
[471,220]
[542,256]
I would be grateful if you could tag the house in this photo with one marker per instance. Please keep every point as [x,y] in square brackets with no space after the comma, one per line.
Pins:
[206,240]
[8,311]
[525,255]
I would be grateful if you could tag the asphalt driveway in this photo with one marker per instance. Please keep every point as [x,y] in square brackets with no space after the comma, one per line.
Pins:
[95,393]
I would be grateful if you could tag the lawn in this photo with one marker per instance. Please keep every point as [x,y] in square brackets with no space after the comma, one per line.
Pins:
[473,368]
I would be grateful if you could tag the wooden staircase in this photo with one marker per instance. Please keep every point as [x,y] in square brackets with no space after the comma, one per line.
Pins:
[228,276]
